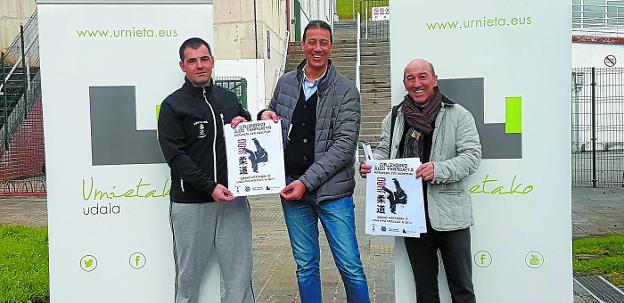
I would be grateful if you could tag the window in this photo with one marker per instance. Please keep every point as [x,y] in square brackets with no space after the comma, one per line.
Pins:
[615,13]
[593,13]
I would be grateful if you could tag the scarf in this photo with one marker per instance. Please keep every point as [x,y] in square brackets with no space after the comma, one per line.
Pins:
[422,119]
[419,120]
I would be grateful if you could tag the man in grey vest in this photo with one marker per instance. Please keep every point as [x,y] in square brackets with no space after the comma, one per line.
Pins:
[320,114]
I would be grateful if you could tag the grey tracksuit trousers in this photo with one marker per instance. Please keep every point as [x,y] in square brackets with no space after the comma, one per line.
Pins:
[201,229]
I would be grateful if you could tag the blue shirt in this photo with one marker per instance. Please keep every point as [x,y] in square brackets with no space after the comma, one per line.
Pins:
[310,87]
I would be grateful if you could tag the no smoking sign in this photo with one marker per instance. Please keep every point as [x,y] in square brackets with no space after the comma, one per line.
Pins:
[610,61]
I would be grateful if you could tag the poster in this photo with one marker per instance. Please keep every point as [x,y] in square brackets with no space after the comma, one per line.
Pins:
[255,158]
[394,199]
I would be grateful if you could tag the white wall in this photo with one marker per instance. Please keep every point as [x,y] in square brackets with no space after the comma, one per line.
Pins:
[593,55]
[273,66]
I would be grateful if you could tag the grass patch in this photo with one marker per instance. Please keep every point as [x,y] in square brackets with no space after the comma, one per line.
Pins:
[600,255]
[344,8]
[23,264]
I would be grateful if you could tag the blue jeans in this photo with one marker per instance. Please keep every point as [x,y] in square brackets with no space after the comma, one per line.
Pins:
[338,219]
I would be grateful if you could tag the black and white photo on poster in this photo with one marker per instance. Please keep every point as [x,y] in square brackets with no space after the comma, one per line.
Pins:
[255,158]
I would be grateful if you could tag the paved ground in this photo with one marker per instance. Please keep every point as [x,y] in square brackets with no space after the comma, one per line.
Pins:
[594,212]
[597,211]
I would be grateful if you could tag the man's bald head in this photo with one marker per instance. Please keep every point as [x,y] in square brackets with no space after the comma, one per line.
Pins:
[419,62]
[420,80]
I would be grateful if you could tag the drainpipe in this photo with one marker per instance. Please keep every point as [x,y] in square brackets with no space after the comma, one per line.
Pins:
[256,29]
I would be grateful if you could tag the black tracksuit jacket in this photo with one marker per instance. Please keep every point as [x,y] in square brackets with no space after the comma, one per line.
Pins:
[190,132]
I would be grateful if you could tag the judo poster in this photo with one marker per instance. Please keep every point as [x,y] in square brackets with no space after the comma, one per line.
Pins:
[394,199]
[255,158]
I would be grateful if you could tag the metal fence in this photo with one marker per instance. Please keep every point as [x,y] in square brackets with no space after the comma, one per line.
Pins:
[236,84]
[598,127]
[22,163]
[374,22]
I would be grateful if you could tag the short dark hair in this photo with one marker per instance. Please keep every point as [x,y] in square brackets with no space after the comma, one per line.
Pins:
[193,43]
[318,24]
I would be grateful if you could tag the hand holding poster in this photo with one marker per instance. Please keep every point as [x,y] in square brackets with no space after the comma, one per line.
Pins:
[255,158]
[394,199]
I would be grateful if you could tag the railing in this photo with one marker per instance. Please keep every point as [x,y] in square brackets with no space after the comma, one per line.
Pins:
[238,85]
[357,55]
[22,53]
[596,19]
[597,127]
[22,166]
[371,26]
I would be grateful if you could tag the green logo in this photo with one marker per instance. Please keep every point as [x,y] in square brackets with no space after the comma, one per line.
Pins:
[137,260]
[88,263]
[483,259]
[534,259]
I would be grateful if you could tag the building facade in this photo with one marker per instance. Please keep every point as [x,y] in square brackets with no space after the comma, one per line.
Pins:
[12,14]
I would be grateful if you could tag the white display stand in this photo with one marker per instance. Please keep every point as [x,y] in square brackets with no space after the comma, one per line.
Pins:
[105,66]
[489,54]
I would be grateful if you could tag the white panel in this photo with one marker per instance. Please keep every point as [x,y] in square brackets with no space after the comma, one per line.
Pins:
[86,45]
[531,60]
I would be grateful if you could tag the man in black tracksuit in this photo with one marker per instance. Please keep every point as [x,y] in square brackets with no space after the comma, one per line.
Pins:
[205,215]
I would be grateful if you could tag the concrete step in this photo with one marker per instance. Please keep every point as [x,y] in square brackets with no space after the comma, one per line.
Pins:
[368,107]
[372,119]
[369,138]
[378,86]
[374,74]
[374,98]
[371,88]
[368,104]
[374,88]
[374,112]
[370,132]
[371,123]
[375,93]
[376,66]
[367,76]
[376,82]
